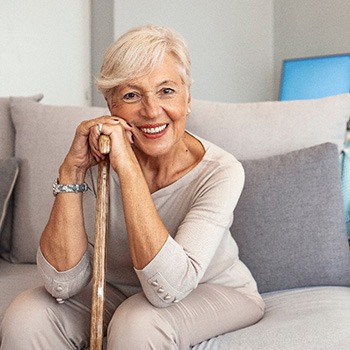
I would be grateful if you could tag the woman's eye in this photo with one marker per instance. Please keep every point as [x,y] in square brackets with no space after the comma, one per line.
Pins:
[131,97]
[167,91]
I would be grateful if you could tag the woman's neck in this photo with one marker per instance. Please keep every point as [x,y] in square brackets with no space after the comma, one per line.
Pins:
[164,170]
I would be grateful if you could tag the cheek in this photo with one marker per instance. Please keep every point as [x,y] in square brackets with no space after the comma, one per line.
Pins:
[177,115]
[179,111]
[180,120]
[120,111]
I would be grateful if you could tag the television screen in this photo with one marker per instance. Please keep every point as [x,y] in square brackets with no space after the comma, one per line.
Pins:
[315,77]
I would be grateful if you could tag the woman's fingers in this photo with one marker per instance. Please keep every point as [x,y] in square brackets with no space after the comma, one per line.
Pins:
[94,135]
[106,125]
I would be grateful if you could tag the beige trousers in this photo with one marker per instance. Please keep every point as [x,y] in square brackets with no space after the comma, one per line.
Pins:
[35,321]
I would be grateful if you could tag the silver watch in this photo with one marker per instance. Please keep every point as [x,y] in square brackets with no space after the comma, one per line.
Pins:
[68,188]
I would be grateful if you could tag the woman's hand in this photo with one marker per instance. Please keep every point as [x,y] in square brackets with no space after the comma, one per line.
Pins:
[81,155]
[120,134]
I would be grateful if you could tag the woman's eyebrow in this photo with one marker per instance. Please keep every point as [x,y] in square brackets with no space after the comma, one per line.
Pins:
[138,87]
[166,82]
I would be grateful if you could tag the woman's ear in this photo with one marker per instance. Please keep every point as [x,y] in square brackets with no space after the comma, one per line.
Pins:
[189,104]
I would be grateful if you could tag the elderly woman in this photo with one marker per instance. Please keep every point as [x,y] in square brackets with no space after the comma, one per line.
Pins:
[174,276]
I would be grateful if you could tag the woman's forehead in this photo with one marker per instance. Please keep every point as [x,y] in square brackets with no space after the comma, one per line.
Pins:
[166,72]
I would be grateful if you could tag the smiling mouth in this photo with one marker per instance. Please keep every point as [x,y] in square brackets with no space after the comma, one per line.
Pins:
[155,130]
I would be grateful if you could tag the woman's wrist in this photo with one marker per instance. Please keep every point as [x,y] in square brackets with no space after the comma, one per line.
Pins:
[71,175]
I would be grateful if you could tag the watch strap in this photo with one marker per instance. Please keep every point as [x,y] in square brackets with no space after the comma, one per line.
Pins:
[68,188]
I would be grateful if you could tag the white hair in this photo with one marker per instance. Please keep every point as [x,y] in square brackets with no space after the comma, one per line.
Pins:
[137,52]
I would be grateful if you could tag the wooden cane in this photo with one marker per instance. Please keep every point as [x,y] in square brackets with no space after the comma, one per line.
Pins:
[100,252]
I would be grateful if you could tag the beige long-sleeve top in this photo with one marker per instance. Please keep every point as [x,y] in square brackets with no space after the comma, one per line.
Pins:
[197,211]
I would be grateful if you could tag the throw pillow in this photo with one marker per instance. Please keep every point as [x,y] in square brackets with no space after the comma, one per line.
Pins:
[43,137]
[263,129]
[8,176]
[7,132]
[289,223]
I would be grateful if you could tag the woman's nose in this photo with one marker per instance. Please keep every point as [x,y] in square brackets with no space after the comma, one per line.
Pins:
[151,105]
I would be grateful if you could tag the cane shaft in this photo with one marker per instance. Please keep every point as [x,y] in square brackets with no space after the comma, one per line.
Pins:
[100,253]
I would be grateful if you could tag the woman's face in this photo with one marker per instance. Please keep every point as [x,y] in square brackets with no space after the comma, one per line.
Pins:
[156,106]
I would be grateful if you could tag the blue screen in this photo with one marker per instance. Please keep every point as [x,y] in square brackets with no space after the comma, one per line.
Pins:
[315,77]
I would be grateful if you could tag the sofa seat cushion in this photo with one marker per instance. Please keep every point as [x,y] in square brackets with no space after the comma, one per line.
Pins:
[14,279]
[295,319]
[299,319]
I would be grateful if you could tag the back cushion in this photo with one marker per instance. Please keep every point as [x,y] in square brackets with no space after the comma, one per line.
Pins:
[7,150]
[289,222]
[43,137]
[7,132]
[256,130]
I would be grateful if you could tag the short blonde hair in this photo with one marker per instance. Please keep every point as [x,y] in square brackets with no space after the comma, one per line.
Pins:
[137,52]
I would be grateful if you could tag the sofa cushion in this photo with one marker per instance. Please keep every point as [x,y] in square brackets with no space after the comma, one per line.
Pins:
[43,137]
[301,319]
[289,223]
[263,129]
[7,132]
[8,176]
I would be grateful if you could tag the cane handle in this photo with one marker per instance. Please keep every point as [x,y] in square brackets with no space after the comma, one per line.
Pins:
[104,144]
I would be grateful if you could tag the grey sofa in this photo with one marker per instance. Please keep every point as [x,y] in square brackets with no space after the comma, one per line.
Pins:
[289,223]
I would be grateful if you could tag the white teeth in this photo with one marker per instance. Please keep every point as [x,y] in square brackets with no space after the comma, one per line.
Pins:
[156,130]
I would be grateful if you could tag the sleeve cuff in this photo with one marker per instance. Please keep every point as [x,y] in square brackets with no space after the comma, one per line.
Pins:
[63,285]
[156,285]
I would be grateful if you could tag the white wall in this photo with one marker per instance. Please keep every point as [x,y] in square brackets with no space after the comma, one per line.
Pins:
[102,35]
[45,48]
[237,46]
[304,28]
[230,41]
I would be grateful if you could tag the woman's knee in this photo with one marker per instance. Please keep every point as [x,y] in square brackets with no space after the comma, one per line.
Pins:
[25,317]
[35,320]
[26,311]
[137,324]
